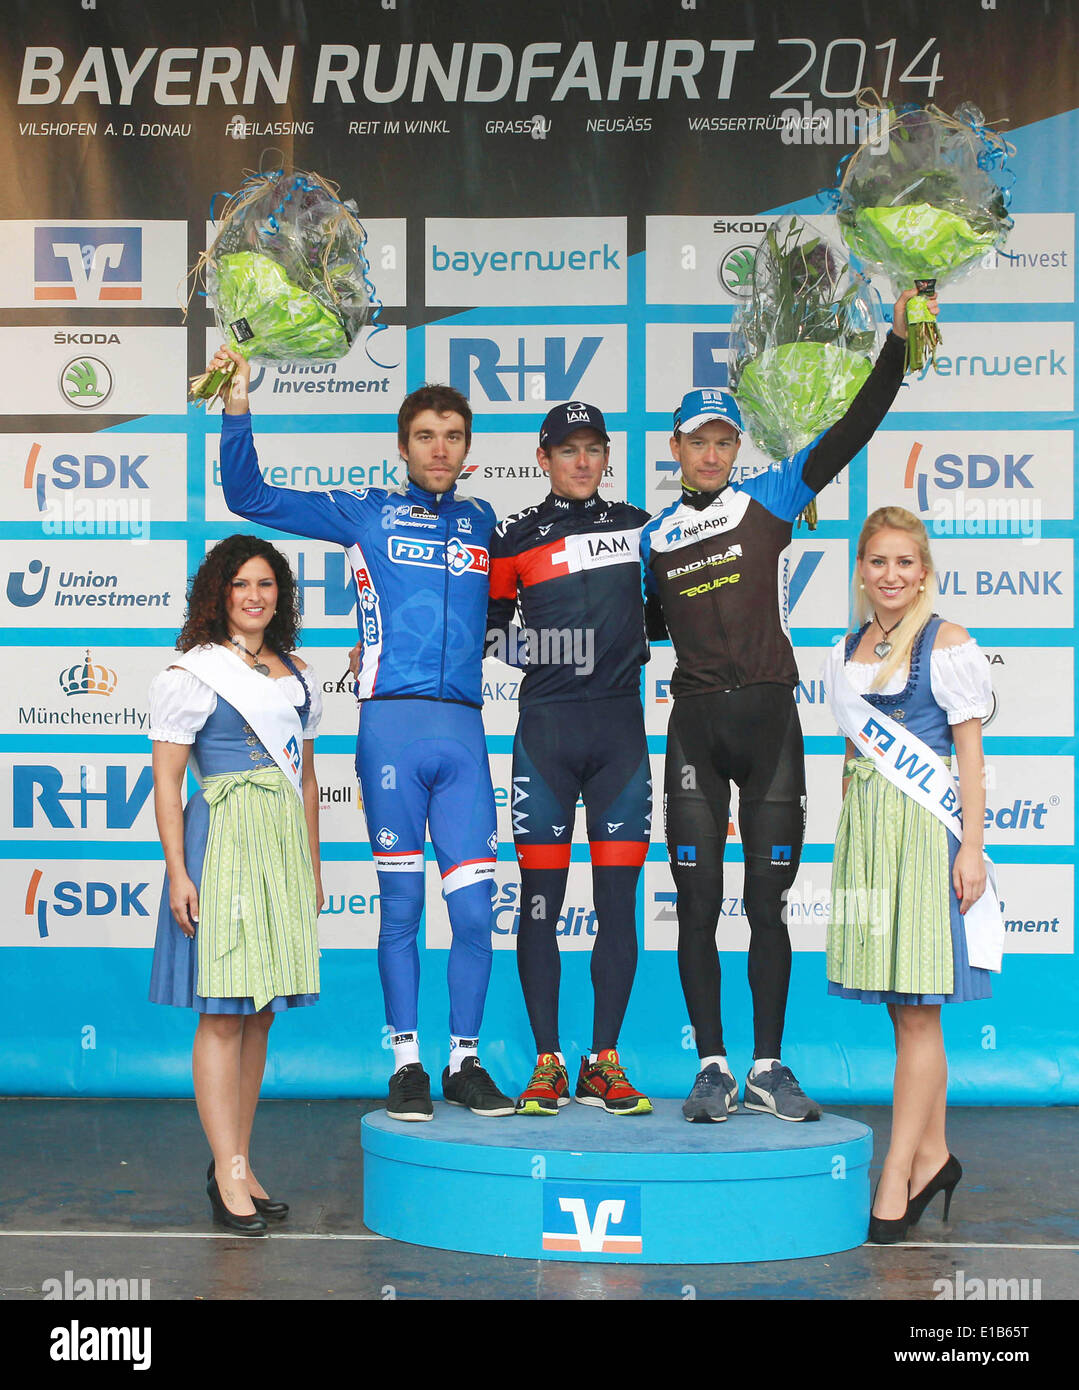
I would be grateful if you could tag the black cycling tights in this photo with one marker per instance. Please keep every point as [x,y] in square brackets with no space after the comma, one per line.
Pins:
[751,736]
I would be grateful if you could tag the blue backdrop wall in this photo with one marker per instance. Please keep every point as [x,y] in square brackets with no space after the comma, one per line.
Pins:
[657,141]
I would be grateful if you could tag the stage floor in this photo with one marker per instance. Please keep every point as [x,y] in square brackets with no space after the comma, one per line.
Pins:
[111,1188]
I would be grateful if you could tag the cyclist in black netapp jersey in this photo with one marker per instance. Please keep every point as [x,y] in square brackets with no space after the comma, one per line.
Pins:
[712,565]
[572,567]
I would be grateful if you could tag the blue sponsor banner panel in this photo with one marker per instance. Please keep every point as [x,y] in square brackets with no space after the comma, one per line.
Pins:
[569,213]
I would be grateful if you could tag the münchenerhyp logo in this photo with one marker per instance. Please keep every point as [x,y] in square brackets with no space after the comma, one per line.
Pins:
[592,1218]
[87,678]
[74,898]
[88,265]
[86,382]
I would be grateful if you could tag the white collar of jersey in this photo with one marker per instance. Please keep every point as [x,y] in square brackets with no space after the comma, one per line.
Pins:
[686,525]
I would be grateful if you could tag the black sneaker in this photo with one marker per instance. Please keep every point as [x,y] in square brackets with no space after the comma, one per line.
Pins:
[473,1087]
[714,1096]
[776,1092]
[410,1094]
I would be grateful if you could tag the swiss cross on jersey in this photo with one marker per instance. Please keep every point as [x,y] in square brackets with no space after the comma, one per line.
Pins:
[575,553]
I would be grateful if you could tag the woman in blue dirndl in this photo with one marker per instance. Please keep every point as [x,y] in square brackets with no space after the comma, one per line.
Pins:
[903,880]
[237,933]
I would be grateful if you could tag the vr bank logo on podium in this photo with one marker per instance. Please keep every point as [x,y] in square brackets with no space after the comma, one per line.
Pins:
[592,1220]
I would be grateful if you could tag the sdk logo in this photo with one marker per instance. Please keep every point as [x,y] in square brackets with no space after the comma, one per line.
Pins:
[69,472]
[88,265]
[590,1219]
[73,899]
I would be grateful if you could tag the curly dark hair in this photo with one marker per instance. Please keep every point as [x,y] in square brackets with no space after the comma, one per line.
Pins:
[206,620]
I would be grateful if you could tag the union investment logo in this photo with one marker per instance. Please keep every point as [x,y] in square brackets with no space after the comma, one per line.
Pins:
[86,382]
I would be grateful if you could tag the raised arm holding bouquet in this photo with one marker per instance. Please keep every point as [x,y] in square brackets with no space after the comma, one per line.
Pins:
[287,274]
[927,206]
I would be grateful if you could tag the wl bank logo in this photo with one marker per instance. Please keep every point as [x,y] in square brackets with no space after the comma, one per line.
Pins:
[88,265]
[520,371]
[70,898]
[592,1219]
[710,354]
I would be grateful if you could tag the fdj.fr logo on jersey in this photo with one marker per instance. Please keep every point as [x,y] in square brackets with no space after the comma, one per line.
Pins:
[43,794]
[451,555]
[88,265]
[485,367]
[592,1218]
[70,898]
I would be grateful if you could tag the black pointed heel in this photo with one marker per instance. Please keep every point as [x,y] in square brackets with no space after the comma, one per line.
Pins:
[253,1225]
[946,1181]
[887,1230]
[264,1206]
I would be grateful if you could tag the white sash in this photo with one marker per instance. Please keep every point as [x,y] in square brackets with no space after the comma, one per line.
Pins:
[918,772]
[258,699]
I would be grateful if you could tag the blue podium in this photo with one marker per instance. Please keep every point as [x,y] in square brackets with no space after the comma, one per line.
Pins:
[646,1189]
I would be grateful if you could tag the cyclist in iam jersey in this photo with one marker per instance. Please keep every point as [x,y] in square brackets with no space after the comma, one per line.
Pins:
[712,568]
[571,565]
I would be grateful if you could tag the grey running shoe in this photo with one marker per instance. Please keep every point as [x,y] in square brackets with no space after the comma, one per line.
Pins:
[714,1095]
[410,1094]
[776,1092]
[472,1086]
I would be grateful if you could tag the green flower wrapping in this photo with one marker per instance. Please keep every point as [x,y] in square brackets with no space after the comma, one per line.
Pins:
[917,241]
[793,392]
[269,317]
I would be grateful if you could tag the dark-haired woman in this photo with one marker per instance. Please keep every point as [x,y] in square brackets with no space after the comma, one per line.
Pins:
[237,927]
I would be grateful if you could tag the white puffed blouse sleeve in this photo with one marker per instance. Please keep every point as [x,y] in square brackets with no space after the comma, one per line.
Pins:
[180,705]
[960,681]
[314,714]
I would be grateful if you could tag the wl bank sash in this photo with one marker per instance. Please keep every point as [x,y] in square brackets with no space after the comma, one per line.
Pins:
[259,699]
[912,766]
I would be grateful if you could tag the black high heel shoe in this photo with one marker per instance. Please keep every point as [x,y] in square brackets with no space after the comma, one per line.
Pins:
[945,1181]
[253,1225]
[264,1206]
[887,1230]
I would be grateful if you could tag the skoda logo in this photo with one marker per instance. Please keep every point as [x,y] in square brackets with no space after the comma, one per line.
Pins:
[735,271]
[85,382]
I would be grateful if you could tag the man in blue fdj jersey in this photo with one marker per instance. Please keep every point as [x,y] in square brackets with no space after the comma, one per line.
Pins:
[571,565]
[712,565]
[419,558]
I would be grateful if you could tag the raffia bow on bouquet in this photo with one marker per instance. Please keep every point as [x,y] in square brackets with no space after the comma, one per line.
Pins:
[287,274]
[924,200]
[803,344]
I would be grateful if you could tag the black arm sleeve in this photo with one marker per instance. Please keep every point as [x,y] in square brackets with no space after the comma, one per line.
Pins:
[654,626]
[837,446]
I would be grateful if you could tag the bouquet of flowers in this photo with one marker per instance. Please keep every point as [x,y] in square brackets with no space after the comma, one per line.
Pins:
[925,205]
[802,345]
[286,275]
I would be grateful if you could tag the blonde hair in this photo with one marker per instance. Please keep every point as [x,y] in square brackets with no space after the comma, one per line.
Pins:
[918,614]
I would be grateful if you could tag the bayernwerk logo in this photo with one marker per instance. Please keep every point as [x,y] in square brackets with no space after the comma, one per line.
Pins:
[86,382]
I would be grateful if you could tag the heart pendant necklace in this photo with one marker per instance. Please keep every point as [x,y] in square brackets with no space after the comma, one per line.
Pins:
[260,667]
[883,647]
